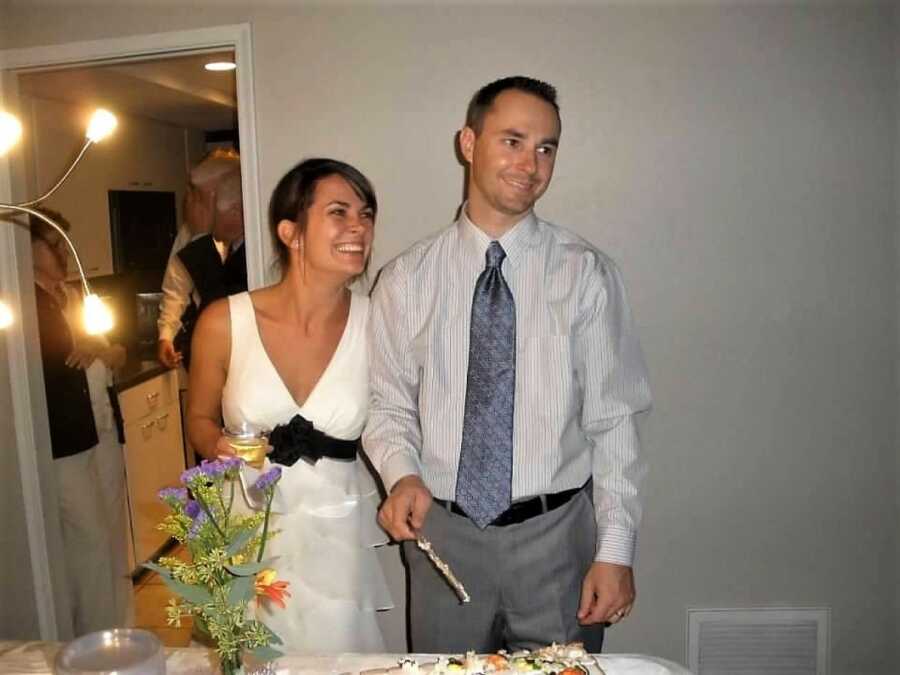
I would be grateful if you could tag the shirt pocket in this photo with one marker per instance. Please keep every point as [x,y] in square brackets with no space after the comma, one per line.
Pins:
[535,342]
[545,373]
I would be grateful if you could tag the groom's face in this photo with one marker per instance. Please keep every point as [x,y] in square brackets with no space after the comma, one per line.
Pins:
[511,159]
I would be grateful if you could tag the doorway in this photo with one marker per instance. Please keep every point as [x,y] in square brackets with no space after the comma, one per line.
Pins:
[29,430]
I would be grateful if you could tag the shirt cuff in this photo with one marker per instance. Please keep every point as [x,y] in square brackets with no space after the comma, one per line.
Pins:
[397,466]
[616,545]
[167,333]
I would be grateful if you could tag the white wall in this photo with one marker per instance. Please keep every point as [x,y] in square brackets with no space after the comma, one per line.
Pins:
[18,616]
[18,620]
[143,154]
[738,162]
[24,581]
[896,528]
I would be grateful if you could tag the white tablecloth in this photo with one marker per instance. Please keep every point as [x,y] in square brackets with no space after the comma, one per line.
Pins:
[23,658]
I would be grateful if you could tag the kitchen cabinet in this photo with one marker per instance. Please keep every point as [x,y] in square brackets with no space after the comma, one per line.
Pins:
[154,456]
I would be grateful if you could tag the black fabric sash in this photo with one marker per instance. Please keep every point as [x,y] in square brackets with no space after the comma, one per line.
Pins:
[299,439]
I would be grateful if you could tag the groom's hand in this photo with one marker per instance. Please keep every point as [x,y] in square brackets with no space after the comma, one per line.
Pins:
[607,594]
[403,512]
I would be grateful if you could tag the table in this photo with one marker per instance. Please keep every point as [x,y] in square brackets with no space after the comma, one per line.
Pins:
[26,658]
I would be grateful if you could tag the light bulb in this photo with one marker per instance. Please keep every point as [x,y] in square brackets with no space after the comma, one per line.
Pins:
[6,316]
[102,124]
[10,131]
[96,315]
[220,66]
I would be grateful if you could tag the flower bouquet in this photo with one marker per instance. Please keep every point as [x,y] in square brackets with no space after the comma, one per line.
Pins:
[227,570]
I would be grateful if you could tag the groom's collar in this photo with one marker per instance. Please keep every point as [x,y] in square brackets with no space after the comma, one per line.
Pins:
[514,241]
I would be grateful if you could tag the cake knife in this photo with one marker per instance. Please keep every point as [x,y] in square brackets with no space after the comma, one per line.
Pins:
[443,568]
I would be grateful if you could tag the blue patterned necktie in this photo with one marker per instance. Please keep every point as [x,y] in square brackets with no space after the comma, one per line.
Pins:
[484,477]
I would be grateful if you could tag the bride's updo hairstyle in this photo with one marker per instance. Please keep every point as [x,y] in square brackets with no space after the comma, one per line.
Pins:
[295,192]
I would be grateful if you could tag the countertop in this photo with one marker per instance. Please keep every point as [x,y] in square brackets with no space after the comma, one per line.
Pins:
[136,371]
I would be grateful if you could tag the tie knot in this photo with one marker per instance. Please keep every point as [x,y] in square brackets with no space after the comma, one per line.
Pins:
[495,255]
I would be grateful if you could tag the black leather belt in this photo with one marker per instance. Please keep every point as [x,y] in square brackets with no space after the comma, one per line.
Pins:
[520,511]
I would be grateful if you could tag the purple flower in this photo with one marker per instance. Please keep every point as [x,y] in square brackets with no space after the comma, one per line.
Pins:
[173,495]
[268,479]
[198,523]
[231,464]
[208,471]
[192,509]
[191,474]
[212,469]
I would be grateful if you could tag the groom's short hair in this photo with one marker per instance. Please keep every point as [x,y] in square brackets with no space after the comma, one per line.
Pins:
[484,98]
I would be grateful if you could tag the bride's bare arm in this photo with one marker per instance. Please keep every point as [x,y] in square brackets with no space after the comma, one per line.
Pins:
[210,353]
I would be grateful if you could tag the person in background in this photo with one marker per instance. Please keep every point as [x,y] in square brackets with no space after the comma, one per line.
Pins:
[181,300]
[88,461]
[506,376]
[200,196]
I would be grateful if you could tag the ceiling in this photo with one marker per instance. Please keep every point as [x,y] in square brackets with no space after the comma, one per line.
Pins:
[176,90]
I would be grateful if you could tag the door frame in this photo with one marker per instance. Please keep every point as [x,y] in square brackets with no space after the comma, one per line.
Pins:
[25,374]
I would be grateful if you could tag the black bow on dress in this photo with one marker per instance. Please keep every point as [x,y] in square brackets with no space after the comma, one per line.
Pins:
[300,439]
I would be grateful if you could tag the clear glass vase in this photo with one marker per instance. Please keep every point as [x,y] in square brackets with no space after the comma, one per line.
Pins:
[200,634]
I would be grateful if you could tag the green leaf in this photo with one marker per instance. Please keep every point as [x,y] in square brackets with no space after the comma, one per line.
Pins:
[241,541]
[265,653]
[273,636]
[164,572]
[247,569]
[240,590]
[197,595]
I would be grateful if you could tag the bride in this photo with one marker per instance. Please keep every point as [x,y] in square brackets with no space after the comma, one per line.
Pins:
[292,358]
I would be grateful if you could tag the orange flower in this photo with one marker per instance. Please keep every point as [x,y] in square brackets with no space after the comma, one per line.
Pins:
[267,587]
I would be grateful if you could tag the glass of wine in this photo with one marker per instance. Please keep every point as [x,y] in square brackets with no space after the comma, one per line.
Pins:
[249,443]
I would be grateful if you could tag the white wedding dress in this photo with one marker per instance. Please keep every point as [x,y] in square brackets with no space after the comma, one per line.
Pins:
[324,513]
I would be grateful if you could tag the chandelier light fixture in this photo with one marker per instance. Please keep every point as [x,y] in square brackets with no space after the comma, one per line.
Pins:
[96,315]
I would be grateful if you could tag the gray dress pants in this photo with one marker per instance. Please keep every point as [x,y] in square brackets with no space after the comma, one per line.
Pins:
[524,581]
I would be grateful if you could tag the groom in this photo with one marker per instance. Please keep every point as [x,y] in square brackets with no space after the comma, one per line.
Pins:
[505,380]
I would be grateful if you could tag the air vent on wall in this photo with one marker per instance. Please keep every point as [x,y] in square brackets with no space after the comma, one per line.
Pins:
[762,641]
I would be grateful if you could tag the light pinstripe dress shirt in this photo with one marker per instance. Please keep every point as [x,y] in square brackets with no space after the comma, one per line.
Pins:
[580,374]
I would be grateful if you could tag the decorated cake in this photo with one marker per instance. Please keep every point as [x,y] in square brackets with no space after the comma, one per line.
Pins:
[566,659]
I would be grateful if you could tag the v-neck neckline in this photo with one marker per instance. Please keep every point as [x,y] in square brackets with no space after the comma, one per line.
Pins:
[328,366]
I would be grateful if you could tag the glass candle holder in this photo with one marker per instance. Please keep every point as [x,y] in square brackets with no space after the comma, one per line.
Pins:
[119,651]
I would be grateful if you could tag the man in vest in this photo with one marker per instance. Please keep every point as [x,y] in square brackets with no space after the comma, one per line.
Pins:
[210,267]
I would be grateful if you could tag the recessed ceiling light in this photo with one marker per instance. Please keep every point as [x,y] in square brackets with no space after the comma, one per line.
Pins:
[220,65]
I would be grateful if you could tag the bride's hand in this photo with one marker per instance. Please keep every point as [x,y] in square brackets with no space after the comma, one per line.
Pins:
[223,448]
